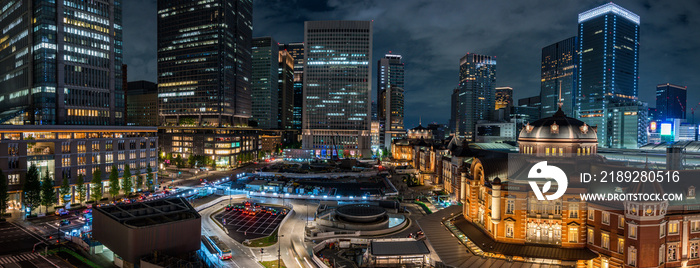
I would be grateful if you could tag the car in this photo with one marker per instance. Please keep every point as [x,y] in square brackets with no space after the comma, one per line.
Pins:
[65,222]
[62,212]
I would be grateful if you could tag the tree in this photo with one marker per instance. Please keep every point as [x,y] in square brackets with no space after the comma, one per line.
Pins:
[96,191]
[4,197]
[192,160]
[126,181]
[149,178]
[139,180]
[32,188]
[114,182]
[65,188]
[48,194]
[80,187]
[179,162]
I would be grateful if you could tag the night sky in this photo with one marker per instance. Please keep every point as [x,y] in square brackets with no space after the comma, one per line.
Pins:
[433,35]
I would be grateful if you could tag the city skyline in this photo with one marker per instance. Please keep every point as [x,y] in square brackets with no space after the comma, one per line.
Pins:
[433,56]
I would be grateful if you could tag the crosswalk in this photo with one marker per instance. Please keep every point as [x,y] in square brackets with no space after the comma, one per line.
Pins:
[18,258]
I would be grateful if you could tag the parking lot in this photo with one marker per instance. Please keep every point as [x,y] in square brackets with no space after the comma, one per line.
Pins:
[242,226]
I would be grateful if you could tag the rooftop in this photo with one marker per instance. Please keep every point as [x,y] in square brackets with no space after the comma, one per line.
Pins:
[150,213]
[396,248]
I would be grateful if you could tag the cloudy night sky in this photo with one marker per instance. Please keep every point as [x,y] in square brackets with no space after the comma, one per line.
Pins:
[433,35]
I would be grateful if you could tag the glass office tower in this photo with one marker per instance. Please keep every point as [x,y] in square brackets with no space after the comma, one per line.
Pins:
[559,75]
[204,62]
[477,81]
[285,106]
[61,62]
[671,101]
[337,88]
[390,99]
[608,44]
[297,52]
[265,82]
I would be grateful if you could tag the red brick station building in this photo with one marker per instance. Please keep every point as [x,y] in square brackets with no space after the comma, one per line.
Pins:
[504,219]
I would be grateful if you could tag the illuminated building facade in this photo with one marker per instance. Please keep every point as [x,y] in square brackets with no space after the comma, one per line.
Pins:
[558,74]
[390,99]
[503,98]
[67,151]
[228,147]
[297,52]
[608,45]
[337,88]
[142,104]
[477,80]
[204,62]
[628,125]
[285,106]
[61,63]
[265,83]
[671,101]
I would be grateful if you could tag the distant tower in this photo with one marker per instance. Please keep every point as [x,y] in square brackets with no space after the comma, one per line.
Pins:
[390,98]
[558,71]
[477,80]
[265,82]
[671,101]
[297,52]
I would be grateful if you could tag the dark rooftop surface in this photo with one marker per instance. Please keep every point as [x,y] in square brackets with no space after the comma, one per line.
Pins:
[395,248]
[151,212]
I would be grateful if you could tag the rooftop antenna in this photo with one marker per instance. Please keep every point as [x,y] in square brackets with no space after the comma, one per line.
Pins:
[420,120]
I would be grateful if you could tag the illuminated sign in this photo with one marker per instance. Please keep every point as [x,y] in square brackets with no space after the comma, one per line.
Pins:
[666,129]
[652,126]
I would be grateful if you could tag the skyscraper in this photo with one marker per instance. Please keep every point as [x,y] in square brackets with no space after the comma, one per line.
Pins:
[265,82]
[477,80]
[337,88]
[559,75]
[390,99]
[285,106]
[142,104]
[671,101]
[49,75]
[608,45]
[297,52]
[204,62]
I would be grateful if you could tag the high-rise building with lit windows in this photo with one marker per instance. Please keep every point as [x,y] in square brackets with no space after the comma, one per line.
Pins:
[265,83]
[671,101]
[285,107]
[477,80]
[558,75]
[297,52]
[390,99]
[337,88]
[204,62]
[61,62]
[608,46]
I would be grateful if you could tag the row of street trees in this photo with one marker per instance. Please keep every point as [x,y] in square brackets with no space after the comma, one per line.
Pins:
[40,192]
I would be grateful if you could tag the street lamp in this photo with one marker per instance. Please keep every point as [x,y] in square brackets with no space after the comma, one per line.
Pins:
[279,247]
